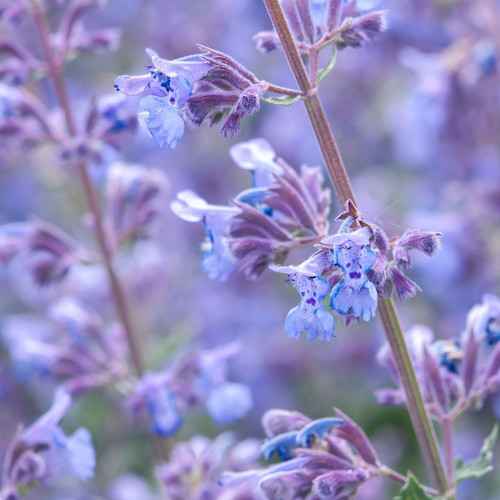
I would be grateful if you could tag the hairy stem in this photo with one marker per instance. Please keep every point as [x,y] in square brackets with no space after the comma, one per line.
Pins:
[118,293]
[420,419]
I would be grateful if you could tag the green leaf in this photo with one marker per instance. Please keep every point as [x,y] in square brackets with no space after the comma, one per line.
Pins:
[483,464]
[282,101]
[323,73]
[413,490]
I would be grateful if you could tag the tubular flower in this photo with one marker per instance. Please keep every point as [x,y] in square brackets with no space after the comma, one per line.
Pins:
[324,458]
[281,211]
[324,22]
[194,468]
[164,92]
[228,92]
[44,453]
[454,373]
[197,378]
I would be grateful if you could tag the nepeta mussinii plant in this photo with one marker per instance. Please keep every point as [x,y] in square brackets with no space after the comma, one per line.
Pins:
[353,272]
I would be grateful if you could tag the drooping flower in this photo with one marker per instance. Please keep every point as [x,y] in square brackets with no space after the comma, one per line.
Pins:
[218,261]
[228,92]
[43,452]
[310,317]
[354,254]
[198,378]
[281,211]
[163,93]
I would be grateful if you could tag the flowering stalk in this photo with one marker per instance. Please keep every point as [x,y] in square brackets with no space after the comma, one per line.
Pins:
[119,297]
[340,179]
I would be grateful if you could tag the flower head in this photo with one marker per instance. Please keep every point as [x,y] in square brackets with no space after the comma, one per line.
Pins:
[218,260]
[43,452]
[329,457]
[164,92]
[310,316]
[197,378]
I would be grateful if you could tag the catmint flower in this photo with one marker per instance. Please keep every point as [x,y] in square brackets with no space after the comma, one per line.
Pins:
[195,466]
[324,22]
[353,253]
[282,210]
[194,379]
[329,456]
[134,199]
[72,345]
[228,92]
[484,320]
[218,261]
[310,316]
[43,452]
[111,118]
[42,252]
[453,373]
[164,92]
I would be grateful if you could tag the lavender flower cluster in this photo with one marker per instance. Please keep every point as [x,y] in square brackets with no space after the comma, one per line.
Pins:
[85,329]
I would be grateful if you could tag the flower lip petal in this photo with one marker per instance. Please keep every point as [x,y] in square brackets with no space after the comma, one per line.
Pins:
[317,430]
[281,445]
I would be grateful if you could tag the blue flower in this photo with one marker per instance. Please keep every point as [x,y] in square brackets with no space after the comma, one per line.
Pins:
[310,316]
[162,120]
[354,295]
[282,446]
[218,261]
[162,408]
[63,455]
[258,157]
[164,92]
[229,402]
[484,320]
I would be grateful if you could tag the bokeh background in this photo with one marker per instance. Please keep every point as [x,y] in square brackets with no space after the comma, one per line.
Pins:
[421,138]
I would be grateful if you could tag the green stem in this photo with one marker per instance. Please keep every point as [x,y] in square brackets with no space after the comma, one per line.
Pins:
[420,419]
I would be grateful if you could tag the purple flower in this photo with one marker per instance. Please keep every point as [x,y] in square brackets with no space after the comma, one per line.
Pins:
[484,320]
[194,469]
[43,452]
[323,22]
[134,201]
[197,378]
[354,295]
[218,260]
[329,456]
[228,92]
[164,92]
[72,344]
[310,316]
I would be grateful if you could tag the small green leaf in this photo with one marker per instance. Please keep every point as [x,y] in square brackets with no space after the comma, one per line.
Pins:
[413,490]
[282,101]
[483,464]
[323,73]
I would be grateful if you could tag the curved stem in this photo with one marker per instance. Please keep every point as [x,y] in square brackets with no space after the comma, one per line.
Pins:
[118,293]
[420,419]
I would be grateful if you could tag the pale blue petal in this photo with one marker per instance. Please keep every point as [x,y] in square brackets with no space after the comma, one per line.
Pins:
[162,120]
